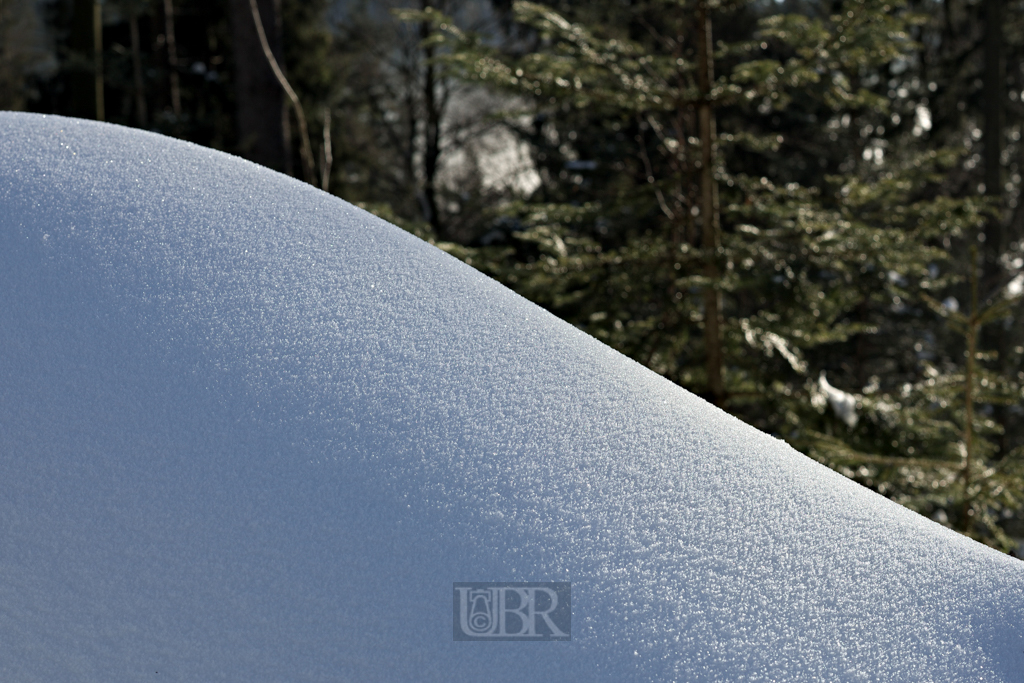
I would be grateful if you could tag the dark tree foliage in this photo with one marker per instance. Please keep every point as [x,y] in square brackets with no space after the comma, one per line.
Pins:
[807,212]
[815,258]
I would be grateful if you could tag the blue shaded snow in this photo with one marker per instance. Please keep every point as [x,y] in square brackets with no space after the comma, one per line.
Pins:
[249,432]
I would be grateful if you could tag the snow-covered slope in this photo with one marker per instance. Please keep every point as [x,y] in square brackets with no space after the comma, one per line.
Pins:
[251,433]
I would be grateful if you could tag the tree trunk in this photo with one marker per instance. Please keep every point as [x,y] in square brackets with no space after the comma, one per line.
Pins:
[326,151]
[995,87]
[308,171]
[994,108]
[97,57]
[140,93]
[709,207]
[432,129]
[259,99]
[995,230]
[81,84]
[972,351]
[172,57]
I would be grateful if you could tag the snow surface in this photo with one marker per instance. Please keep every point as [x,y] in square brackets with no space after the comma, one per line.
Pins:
[249,432]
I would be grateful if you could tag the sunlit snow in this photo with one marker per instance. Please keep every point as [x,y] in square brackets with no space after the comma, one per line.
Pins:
[249,432]
[843,404]
[1016,286]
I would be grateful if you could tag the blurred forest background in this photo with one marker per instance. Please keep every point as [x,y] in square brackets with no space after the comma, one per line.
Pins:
[808,212]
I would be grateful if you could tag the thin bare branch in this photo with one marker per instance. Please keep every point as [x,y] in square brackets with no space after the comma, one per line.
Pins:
[306,150]
[665,209]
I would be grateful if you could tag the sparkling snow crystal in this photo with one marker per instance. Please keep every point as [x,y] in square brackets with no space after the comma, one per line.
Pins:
[249,432]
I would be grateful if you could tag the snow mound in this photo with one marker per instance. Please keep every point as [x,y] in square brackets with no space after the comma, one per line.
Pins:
[249,432]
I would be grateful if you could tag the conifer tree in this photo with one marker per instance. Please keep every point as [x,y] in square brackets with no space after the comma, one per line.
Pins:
[790,230]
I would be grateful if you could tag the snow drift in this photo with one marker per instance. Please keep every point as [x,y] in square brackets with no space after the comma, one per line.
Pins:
[249,432]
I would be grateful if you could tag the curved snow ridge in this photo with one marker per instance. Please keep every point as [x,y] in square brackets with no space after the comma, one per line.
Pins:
[250,432]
